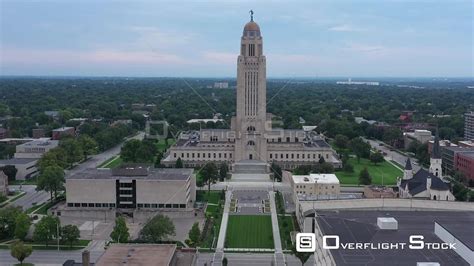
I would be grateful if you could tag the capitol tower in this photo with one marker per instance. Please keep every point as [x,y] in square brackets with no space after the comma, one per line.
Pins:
[251,115]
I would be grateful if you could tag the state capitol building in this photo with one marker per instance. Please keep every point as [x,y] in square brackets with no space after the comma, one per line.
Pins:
[251,144]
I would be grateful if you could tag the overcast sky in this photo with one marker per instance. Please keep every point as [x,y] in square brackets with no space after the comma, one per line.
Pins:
[389,38]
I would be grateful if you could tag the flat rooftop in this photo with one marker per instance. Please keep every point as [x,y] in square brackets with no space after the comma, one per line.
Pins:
[62,129]
[165,174]
[137,254]
[361,226]
[316,178]
[17,161]
[43,142]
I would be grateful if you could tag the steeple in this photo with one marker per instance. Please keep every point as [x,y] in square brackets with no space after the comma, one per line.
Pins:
[435,160]
[435,153]
[408,172]
[408,164]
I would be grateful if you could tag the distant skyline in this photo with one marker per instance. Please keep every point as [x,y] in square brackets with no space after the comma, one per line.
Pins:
[366,38]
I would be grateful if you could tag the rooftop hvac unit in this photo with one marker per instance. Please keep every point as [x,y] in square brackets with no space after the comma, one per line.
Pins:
[387,223]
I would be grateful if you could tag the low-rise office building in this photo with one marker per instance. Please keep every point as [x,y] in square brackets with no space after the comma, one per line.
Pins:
[469,126]
[465,164]
[450,156]
[3,183]
[315,184]
[132,188]
[61,132]
[420,135]
[36,148]
[26,167]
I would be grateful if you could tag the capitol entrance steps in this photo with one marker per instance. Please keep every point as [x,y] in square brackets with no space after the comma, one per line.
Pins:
[250,167]
[250,178]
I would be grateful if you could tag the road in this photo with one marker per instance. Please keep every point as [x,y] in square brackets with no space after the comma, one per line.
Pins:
[393,155]
[97,159]
[50,257]
[31,197]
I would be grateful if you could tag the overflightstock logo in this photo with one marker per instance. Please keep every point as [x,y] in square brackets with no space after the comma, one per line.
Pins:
[306,242]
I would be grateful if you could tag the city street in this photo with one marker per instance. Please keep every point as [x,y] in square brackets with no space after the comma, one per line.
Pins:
[393,155]
[32,197]
[97,159]
[49,257]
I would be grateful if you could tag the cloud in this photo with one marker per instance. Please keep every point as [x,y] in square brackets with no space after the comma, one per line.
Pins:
[99,57]
[156,38]
[346,28]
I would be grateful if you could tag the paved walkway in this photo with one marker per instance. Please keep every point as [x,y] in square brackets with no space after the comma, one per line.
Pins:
[279,257]
[225,218]
[219,254]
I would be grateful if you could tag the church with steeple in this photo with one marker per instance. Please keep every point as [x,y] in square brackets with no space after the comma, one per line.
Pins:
[425,184]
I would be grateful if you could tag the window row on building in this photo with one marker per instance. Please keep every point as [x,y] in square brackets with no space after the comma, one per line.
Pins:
[279,140]
[91,205]
[296,156]
[210,155]
[161,205]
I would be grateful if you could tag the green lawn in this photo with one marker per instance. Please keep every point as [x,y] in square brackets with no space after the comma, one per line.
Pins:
[161,145]
[385,170]
[249,231]
[112,162]
[213,197]
[286,226]
[29,181]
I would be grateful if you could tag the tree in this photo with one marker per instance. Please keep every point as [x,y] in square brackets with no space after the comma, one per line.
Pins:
[326,168]
[159,157]
[392,135]
[209,173]
[364,177]
[360,148]
[120,232]
[70,234]
[129,150]
[223,170]
[46,229]
[54,157]
[341,141]
[194,234]
[73,149]
[179,163]
[376,157]
[20,251]
[51,180]
[302,256]
[8,217]
[321,160]
[157,229]
[22,225]
[88,144]
[10,171]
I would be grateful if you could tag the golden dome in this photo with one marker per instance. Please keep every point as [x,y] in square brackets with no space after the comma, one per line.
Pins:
[251,26]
